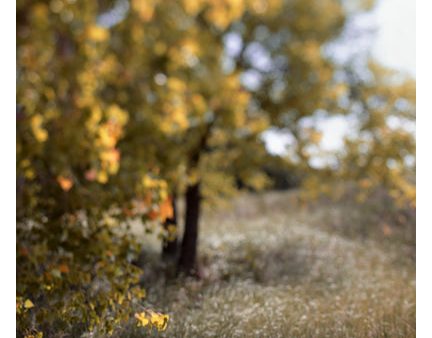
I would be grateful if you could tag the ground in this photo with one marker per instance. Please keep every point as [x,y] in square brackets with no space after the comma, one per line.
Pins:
[273,269]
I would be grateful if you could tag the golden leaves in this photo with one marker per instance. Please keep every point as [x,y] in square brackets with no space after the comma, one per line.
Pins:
[107,134]
[144,8]
[152,319]
[176,85]
[199,103]
[97,33]
[259,6]
[142,319]
[157,188]
[102,177]
[36,125]
[28,170]
[110,160]
[190,47]
[160,321]
[40,12]
[28,304]
[223,13]
[308,51]
[34,335]
[160,48]
[175,107]
[150,182]
[117,115]
[218,16]
[22,306]
[193,7]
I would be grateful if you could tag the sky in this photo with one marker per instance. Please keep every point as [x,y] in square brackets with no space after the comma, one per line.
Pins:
[392,43]
[395,43]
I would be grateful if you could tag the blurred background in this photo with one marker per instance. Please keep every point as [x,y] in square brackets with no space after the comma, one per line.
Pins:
[216,168]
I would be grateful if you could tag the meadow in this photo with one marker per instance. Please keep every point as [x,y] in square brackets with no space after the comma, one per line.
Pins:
[271,268]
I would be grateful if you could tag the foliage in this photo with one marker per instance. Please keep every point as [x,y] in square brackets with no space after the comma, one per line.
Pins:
[379,152]
[87,278]
[74,190]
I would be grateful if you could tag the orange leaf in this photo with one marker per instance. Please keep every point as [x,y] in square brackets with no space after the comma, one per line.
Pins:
[166,209]
[63,268]
[65,183]
[153,215]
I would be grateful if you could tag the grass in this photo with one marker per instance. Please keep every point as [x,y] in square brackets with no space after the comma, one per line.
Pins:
[272,270]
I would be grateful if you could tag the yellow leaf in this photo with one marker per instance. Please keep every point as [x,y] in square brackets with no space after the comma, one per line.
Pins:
[97,33]
[28,304]
[39,132]
[102,177]
[29,174]
[142,319]
[160,321]
[145,9]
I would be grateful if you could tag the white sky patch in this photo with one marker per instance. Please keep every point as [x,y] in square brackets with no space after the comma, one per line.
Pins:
[356,40]
[395,42]
[258,56]
[277,141]
[251,79]
[395,122]
[334,129]
[115,15]
[233,44]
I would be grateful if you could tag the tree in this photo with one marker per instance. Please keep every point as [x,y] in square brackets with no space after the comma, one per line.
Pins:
[194,103]
[295,82]
[172,105]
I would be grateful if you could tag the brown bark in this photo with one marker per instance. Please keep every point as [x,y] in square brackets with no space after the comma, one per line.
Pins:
[187,262]
[188,257]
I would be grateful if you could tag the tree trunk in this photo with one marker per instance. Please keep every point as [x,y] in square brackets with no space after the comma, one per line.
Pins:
[187,262]
[169,245]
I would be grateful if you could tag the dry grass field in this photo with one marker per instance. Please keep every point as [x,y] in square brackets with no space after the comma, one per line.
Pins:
[272,269]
